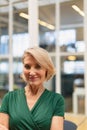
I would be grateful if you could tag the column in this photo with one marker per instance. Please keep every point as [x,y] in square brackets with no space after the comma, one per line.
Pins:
[33,22]
[57,29]
[85,54]
[10,46]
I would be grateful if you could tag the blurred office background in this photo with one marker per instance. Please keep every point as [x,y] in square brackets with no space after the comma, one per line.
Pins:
[61,29]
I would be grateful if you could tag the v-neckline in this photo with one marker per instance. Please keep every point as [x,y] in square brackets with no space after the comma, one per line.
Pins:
[25,100]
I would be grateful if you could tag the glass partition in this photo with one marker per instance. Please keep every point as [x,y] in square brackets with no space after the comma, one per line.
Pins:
[4,29]
[4,79]
[72,48]
[47,26]
[71,23]
[20,39]
[4,48]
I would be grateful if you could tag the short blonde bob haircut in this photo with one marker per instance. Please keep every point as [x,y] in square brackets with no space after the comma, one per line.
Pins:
[43,59]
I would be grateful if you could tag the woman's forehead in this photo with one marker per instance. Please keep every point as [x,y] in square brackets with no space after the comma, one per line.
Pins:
[29,58]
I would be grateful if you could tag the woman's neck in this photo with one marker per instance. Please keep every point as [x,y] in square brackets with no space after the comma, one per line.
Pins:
[33,90]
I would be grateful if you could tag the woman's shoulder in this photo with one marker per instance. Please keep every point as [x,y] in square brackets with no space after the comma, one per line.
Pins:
[13,93]
[56,99]
[55,95]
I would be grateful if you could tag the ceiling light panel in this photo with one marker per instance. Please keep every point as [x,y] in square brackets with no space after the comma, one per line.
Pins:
[77,9]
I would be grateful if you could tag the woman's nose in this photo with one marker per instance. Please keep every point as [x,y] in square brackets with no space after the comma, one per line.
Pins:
[32,72]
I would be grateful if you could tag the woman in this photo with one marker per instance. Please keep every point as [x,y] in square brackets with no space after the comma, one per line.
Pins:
[33,107]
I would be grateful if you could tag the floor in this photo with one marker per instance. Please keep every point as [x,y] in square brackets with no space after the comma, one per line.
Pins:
[80,120]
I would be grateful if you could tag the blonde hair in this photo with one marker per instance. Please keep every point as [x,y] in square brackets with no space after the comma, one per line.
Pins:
[43,58]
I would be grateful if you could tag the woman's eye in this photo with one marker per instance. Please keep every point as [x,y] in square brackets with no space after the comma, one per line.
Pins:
[38,67]
[27,66]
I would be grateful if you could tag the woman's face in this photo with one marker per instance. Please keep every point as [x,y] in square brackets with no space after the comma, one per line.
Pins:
[33,72]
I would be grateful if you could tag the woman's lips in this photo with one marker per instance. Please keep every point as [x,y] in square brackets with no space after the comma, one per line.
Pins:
[33,78]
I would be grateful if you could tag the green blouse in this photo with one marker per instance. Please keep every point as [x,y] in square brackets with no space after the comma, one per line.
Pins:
[39,117]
